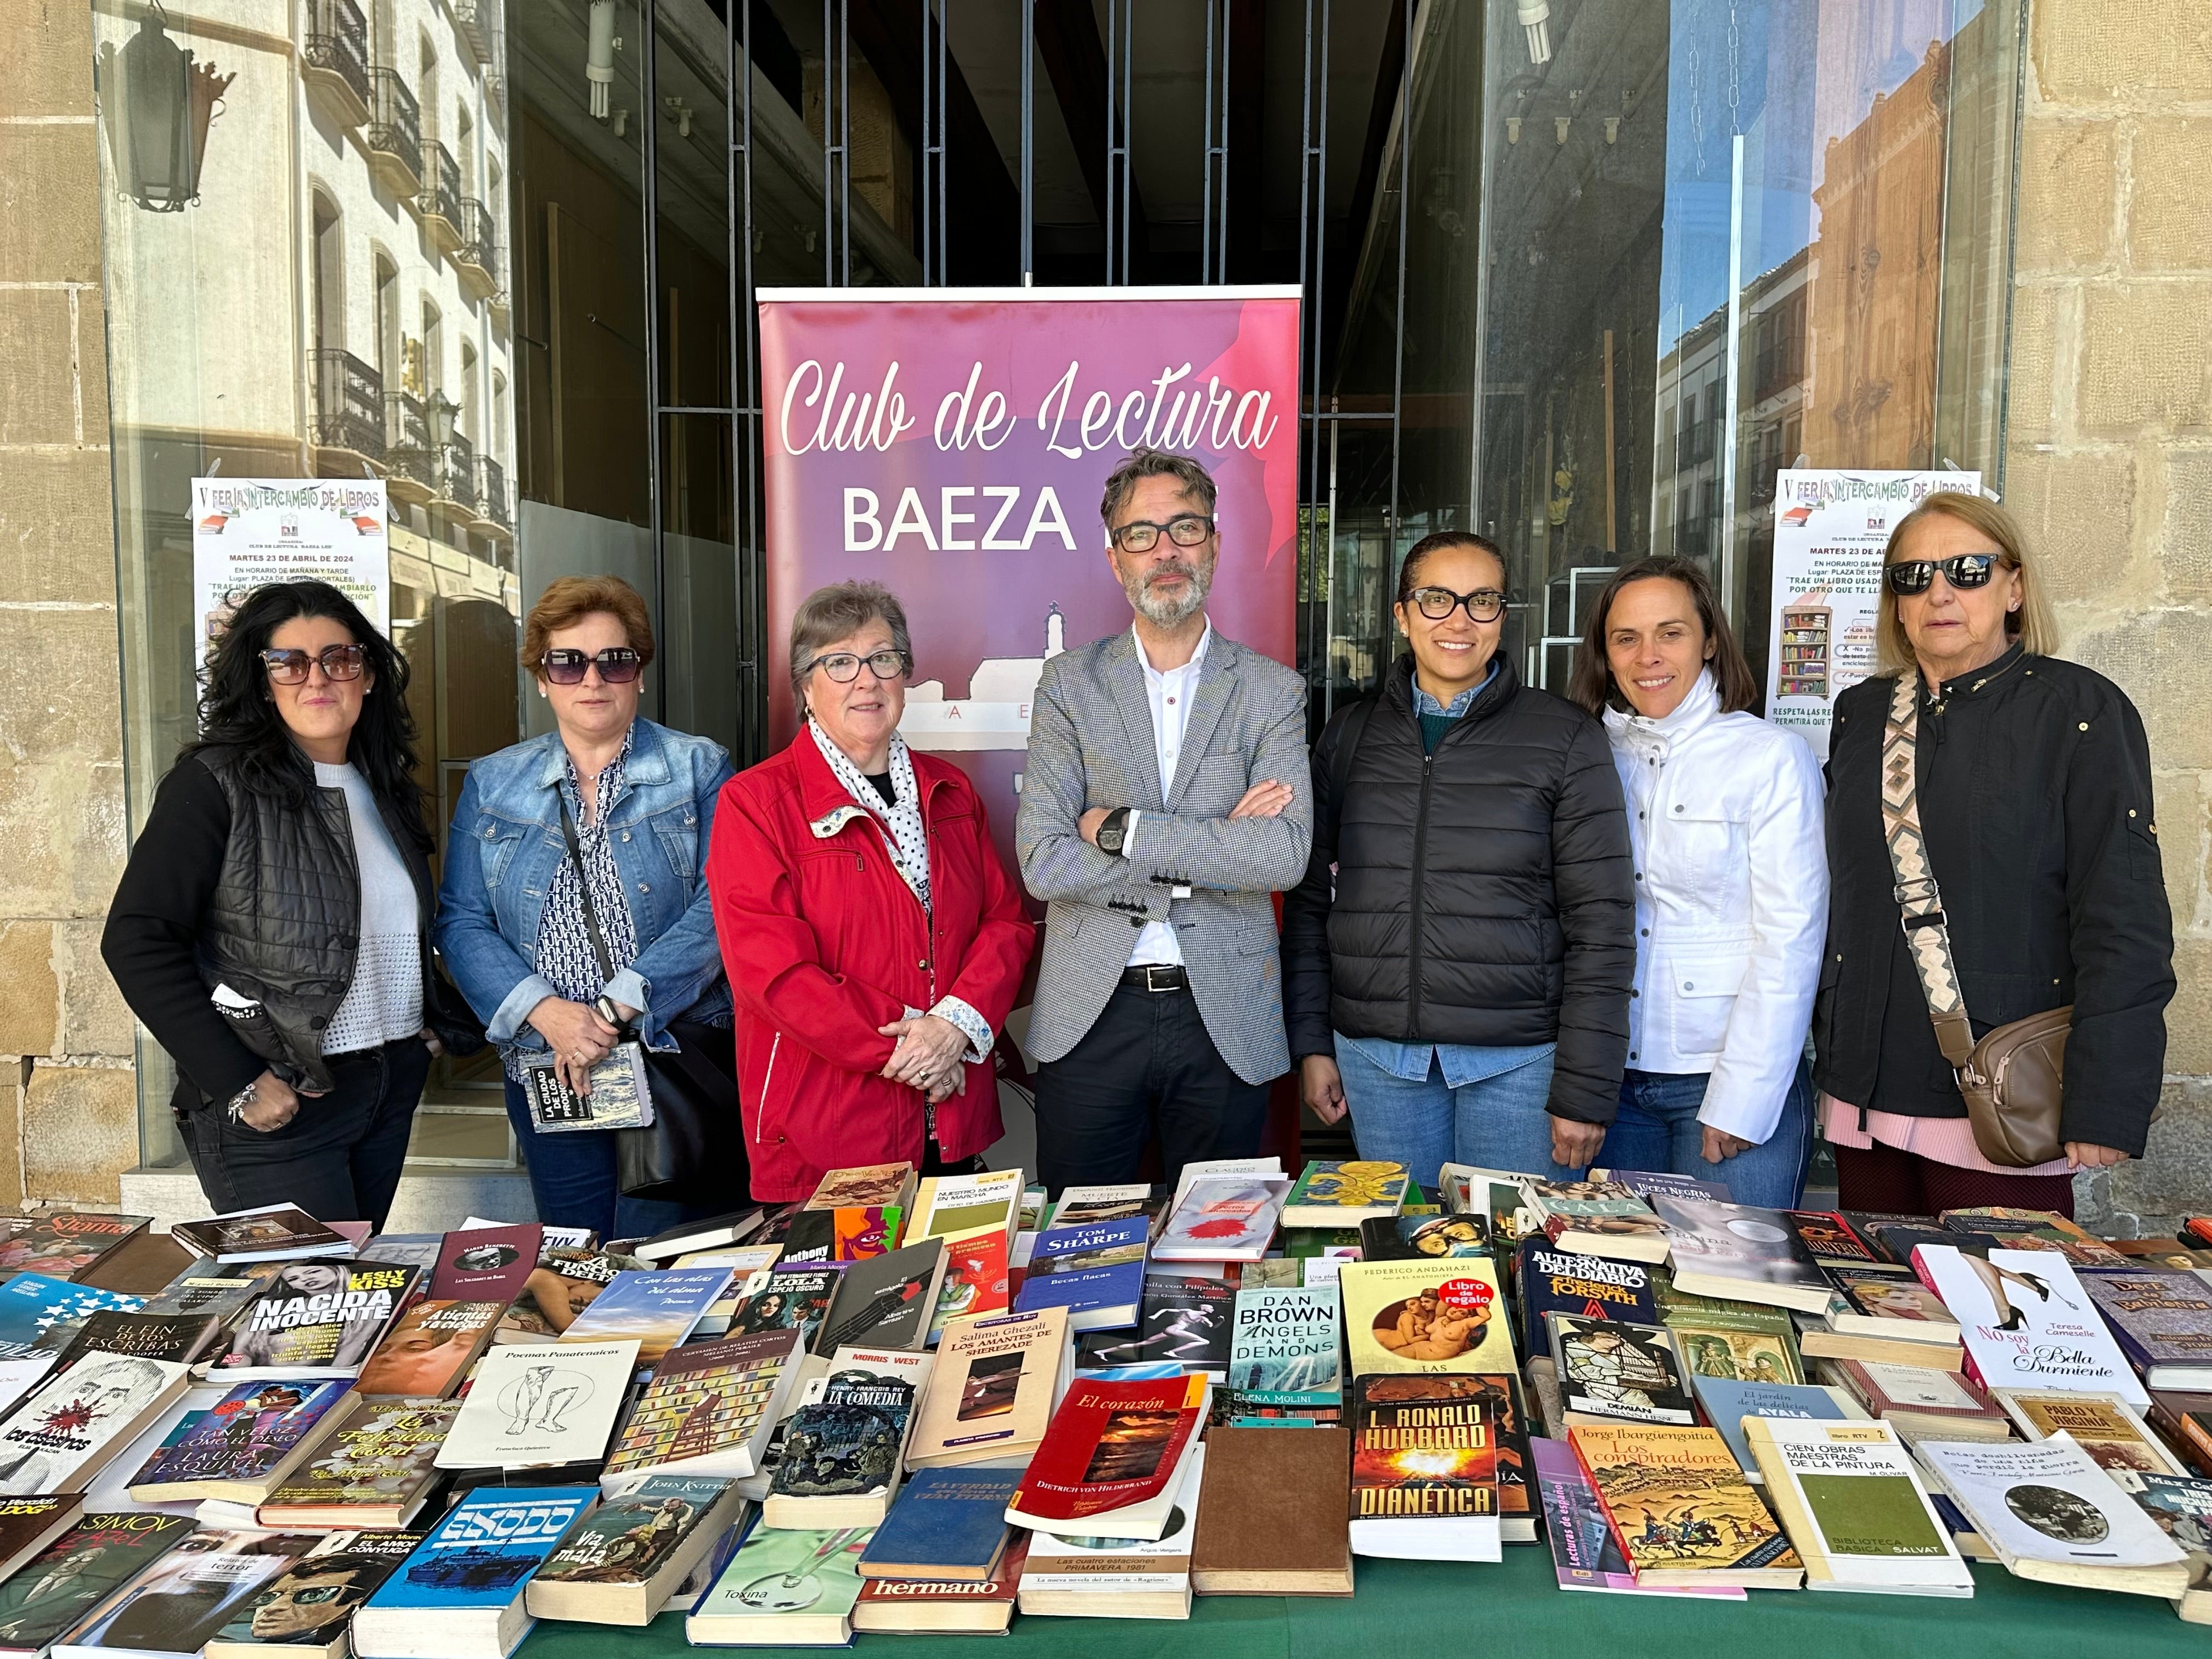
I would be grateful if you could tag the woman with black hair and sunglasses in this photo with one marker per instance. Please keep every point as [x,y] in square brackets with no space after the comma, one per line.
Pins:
[574,910]
[272,929]
[2027,840]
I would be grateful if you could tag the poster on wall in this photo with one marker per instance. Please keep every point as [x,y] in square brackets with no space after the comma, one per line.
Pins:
[954,444]
[247,531]
[1831,525]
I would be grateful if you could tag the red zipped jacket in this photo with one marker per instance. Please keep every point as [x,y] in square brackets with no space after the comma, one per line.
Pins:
[824,942]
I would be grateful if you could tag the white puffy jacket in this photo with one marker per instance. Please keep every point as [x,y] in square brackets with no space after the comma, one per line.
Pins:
[1731,902]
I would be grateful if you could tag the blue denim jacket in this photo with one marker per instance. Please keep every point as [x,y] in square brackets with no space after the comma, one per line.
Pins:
[505,843]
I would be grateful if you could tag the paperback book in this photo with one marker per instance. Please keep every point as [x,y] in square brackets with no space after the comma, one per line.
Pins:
[786,1299]
[38,1312]
[1420,1235]
[461,1593]
[213,1289]
[2049,1513]
[1424,1471]
[1852,1503]
[2163,1320]
[315,1319]
[656,1309]
[1553,1280]
[1680,1509]
[847,1442]
[621,1563]
[1727,1404]
[28,1524]
[1648,1184]
[486,1264]
[783,1587]
[1285,1349]
[1227,1218]
[1597,1217]
[272,1232]
[242,1447]
[68,1427]
[1181,1320]
[946,1524]
[1585,1555]
[1107,1463]
[1104,1576]
[540,1406]
[374,1470]
[428,1351]
[1608,1368]
[55,1591]
[1734,1340]
[944,1607]
[1271,1514]
[1332,1192]
[1830,1238]
[976,1280]
[1094,1271]
[1742,1253]
[1889,1301]
[181,1337]
[886,1301]
[1920,1400]
[307,1611]
[68,1243]
[944,1205]
[2104,1425]
[186,1595]
[996,1384]
[2029,1229]
[1080,1207]
[1428,1316]
[709,1408]
[2027,1322]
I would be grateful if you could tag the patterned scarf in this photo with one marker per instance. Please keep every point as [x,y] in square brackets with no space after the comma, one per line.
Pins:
[907,841]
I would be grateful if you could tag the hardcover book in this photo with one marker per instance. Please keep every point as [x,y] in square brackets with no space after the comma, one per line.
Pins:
[944,1605]
[181,1337]
[1728,1403]
[316,1319]
[1585,1556]
[946,1523]
[2180,1506]
[994,1389]
[1332,1193]
[947,1205]
[783,1587]
[847,1442]
[461,1591]
[1553,1280]
[786,1299]
[240,1448]
[68,1427]
[1419,1236]
[1285,1350]
[976,1277]
[2104,1425]
[186,1595]
[886,1301]
[1648,1184]
[656,1309]
[714,1233]
[864,1184]
[2051,1514]
[39,1311]
[1888,1301]
[1742,1253]
[2027,1322]
[307,1611]
[1095,1271]
[1108,1460]
[429,1348]
[28,1524]
[1916,1397]
[1854,1507]
[544,1404]
[1597,1217]
[2163,1319]
[375,1469]
[53,1594]
[1443,1315]
[1424,1471]
[2031,1229]
[486,1264]
[1183,1322]
[620,1563]
[1270,1514]
[709,1408]
[68,1243]
[1680,1509]
[1732,1340]
[1608,1368]
[1228,1218]
[218,1290]
[270,1232]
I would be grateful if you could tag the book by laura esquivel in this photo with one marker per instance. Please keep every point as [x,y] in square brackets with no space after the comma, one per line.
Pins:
[241,1438]
[317,1319]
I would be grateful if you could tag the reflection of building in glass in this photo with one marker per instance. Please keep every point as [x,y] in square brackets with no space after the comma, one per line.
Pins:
[995,712]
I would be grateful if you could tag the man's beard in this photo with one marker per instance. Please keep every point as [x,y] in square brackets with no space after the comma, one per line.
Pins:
[1169,613]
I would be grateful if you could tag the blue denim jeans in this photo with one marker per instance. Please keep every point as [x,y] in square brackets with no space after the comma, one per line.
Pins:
[1658,1129]
[573,1178]
[1498,1122]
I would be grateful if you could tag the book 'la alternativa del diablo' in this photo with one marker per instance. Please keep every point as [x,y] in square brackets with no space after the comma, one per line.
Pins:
[317,1319]
[1553,1280]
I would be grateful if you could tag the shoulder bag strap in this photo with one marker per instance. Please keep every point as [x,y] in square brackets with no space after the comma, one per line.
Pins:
[584,890]
[1919,903]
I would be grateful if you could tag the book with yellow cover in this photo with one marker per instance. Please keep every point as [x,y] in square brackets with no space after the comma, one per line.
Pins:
[2102,1425]
[1441,1315]
[1681,1509]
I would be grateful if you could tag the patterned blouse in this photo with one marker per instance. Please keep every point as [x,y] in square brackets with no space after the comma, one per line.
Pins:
[564,943]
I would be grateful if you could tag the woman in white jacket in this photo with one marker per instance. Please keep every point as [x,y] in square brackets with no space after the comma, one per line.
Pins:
[1731,891]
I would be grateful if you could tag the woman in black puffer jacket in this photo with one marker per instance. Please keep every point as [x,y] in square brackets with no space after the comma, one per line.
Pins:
[1457,961]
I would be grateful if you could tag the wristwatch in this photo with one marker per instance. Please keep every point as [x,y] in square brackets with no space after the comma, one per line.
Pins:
[605,1008]
[1113,830]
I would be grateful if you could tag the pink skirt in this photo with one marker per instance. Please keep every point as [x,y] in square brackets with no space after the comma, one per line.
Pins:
[1947,1140]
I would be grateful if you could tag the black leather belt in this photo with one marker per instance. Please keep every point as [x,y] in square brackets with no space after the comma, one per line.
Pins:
[1155,976]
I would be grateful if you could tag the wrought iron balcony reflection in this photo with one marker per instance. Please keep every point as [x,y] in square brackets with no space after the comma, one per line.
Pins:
[491,495]
[476,258]
[440,201]
[348,421]
[478,21]
[395,134]
[334,59]
[410,462]
[455,474]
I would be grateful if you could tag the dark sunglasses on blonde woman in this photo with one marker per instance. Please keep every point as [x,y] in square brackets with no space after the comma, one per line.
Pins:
[617,665]
[340,662]
[1910,577]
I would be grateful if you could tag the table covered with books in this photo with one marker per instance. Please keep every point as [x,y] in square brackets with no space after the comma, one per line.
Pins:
[1264,1414]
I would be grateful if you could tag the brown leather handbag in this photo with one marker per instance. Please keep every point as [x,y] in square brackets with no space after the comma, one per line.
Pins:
[2013,1080]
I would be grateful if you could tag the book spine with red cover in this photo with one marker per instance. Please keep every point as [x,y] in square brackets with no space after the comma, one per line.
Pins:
[1968,1369]
[1620,1538]
[1057,1484]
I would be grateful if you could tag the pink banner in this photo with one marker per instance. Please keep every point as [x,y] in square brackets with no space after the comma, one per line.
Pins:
[953,444]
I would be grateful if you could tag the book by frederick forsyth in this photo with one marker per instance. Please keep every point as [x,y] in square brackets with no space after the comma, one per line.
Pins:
[268,1233]
[1585,1555]
[105,1551]
[429,1348]
[186,1596]
[994,1389]
[1343,1192]
[236,1449]
[33,1305]
[1741,1252]
[308,1609]
[946,1523]
[655,1310]
[1681,1509]
[1285,1351]
[1095,1271]
[543,1405]
[68,1243]
[2163,1319]
[1609,1368]
[710,1407]
[1424,1471]
[316,1319]
[1440,1315]
[486,1264]
[2047,1332]
[1109,1459]
[886,1301]
[66,1430]
[1183,1320]
[1553,1280]
[466,1578]
[375,1469]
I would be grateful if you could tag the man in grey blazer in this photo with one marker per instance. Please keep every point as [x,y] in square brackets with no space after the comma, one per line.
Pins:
[1165,799]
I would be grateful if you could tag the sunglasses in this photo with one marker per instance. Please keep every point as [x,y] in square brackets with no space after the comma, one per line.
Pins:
[340,662]
[844,667]
[1485,604]
[1909,576]
[618,664]
[1184,530]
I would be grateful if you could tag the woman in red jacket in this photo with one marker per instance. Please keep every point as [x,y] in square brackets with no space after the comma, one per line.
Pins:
[873,937]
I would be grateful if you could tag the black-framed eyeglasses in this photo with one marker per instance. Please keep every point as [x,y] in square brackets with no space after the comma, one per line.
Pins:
[1142,535]
[618,664]
[340,662]
[1485,604]
[1910,577]
[844,667]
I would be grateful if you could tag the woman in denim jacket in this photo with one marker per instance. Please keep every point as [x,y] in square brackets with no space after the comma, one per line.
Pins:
[511,919]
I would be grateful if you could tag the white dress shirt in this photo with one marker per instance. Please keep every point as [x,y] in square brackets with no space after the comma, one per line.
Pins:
[1169,693]
[1724,820]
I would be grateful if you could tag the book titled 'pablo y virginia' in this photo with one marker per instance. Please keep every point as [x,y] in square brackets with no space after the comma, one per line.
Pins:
[316,1319]
[461,1593]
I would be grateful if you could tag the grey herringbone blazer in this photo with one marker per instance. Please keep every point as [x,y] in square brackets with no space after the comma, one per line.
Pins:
[1091,744]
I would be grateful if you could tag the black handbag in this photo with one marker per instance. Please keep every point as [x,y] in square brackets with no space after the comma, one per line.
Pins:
[693,1150]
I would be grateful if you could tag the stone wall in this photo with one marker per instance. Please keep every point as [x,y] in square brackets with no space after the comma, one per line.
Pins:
[2109,460]
[68,1111]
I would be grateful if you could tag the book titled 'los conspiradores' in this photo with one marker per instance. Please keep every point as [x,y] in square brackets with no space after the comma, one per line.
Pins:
[1109,1459]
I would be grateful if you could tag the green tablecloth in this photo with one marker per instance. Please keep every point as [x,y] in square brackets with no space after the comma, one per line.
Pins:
[1427,1610]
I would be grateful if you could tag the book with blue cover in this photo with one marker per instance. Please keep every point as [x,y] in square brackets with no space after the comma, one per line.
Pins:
[1553,1280]
[1097,1272]
[242,1447]
[33,1304]
[1727,1402]
[946,1524]
[461,1591]
[657,1308]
